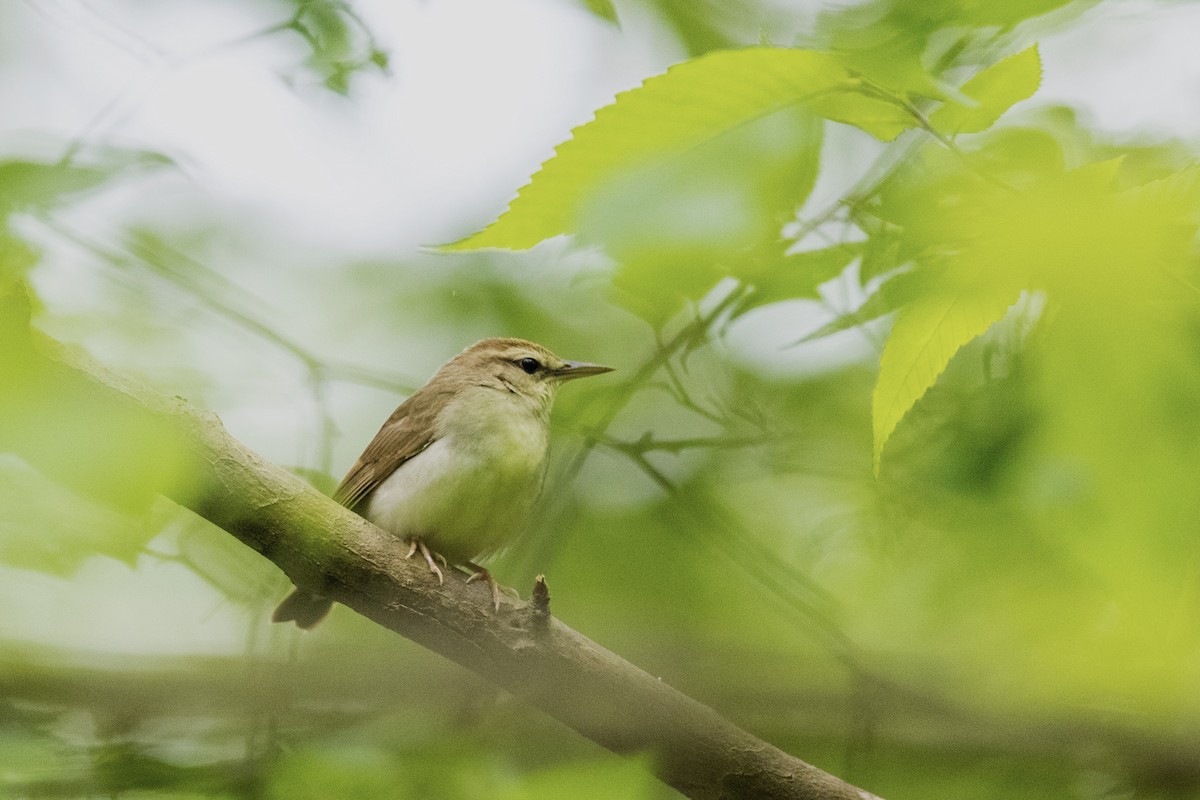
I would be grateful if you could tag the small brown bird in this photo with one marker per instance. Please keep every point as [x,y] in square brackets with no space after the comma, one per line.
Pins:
[457,468]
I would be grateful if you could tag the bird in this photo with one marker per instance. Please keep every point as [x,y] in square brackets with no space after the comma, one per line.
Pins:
[455,472]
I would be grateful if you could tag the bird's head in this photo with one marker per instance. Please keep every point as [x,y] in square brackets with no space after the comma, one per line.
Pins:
[521,367]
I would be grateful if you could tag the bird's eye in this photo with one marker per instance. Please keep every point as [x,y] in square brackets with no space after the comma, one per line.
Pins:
[530,365]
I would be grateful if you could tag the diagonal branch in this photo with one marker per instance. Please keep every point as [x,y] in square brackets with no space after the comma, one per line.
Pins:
[321,545]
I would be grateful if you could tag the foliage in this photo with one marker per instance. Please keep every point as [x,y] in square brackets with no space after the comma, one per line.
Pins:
[958,557]
[680,227]
[341,44]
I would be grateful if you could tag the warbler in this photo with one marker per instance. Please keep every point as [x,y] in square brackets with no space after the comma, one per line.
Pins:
[456,470]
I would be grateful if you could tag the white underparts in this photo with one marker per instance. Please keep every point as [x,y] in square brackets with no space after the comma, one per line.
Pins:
[471,491]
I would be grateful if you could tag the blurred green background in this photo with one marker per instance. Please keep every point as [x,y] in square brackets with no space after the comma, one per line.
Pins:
[233,203]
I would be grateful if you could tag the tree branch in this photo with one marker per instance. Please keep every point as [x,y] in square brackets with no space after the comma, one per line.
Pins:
[322,546]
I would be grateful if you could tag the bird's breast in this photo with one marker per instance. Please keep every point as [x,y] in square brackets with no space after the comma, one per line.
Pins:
[469,492]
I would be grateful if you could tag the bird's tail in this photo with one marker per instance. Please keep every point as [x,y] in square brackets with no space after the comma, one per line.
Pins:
[304,608]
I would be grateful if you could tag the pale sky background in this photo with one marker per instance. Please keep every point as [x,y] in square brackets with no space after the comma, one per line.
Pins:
[479,93]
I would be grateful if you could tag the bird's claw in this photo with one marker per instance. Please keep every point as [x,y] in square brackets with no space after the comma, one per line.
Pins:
[416,544]
[482,574]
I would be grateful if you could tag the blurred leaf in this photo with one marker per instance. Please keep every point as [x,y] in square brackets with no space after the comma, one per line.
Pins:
[1072,233]
[881,252]
[678,227]
[17,257]
[341,45]
[883,42]
[25,755]
[327,25]
[120,766]
[95,445]
[882,117]
[380,58]
[927,334]
[797,275]
[36,186]
[907,45]
[1175,198]
[994,90]
[669,115]
[28,185]
[604,9]
[705,25]
[46,528]
[314,775]
[224,563]
[1005,14]
[1020,156]
[624,778]
[60,423]
[320,480]
[896,291]
[16,343]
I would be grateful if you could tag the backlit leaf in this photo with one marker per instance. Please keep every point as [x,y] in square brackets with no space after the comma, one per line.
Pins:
[671,114]
[48,529]
[891,295]
[994,90]
[798,275]
[604,9]
[926,336]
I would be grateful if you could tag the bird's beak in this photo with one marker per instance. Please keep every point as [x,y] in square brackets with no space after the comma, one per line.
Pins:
[578,369]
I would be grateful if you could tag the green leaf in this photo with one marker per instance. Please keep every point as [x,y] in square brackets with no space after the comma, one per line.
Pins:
[32,185]
[669,115]
[48,529]
[925,337]
[893,293]
[91,441]
[17,257]
[588,780]
[26,185]
[1175,196]
[883,252]
[799,274]
[678,228]
[881,118]
[328,28]
[604,9]
[994,90]
[697,28]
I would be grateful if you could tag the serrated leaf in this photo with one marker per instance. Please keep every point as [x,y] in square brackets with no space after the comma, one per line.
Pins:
[1176,196]
[994,91]
[927,334]
[671,114]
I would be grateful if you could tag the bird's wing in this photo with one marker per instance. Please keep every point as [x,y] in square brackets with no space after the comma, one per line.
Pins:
[407,432]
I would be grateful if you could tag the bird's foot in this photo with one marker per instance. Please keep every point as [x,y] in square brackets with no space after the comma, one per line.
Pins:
[482,574]
[417,544]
